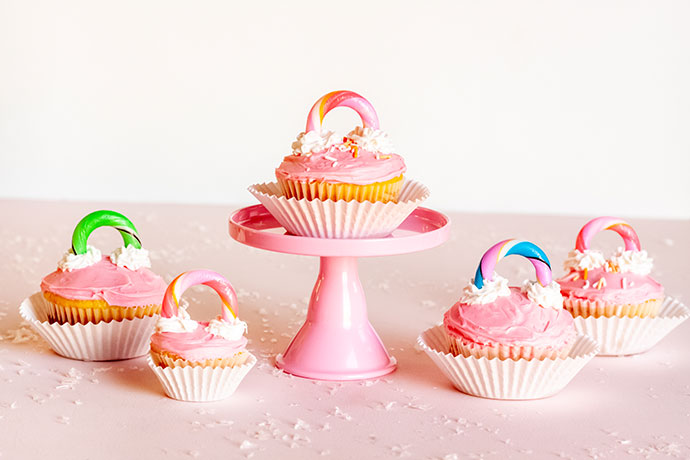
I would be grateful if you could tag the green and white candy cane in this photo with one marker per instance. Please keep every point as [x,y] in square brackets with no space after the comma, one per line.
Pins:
[104,218]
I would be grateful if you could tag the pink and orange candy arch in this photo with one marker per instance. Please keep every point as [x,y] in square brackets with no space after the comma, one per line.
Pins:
[208,278]
[342,99]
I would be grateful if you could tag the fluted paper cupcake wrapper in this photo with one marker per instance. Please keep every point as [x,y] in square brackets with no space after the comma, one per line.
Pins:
[201,384]
[506,379]
[340,219]
[628,336]
[111,341]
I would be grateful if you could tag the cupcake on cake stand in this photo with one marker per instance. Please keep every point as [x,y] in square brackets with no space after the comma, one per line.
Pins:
[339,199]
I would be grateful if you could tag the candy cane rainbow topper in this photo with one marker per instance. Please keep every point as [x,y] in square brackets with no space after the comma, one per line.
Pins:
[531,251]
[594,226]
[195,277]
[341,99]
[97,219]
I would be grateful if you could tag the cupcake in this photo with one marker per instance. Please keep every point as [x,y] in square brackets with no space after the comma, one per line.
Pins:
[200,361]
[618,286]
[341,187]
[95,307]
[361,166]
[494,320]
[504,342]
[88,287]
[614,300]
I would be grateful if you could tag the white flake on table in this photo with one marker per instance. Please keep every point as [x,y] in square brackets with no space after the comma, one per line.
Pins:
[246,445]
[70,379]
[338,412]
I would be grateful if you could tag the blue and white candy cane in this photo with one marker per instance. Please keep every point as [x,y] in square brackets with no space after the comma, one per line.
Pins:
[498,251]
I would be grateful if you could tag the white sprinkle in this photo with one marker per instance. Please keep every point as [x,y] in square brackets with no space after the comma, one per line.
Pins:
[246,445]
[301,425]
[423,407]
[401,450]
[339,413]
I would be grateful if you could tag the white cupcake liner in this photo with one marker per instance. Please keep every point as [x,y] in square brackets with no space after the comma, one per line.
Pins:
[506,379]
[102,341]
[201,384]
[628,336]
[340,219]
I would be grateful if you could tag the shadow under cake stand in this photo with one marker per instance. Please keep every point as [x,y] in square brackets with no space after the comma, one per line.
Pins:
[337,341]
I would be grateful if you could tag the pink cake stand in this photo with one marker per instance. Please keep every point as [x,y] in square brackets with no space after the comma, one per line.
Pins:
[337,342]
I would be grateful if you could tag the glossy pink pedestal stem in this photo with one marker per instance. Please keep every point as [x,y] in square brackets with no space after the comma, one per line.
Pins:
[337,342]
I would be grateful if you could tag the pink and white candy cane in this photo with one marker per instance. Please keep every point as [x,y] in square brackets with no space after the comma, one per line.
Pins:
[342,99]
[192,278]
[594,226]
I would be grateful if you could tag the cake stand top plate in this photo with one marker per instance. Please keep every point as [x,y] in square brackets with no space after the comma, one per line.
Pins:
[423,229]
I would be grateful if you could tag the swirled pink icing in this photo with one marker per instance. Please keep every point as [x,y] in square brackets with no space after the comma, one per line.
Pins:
[341,166]
[617,289]
[104,280]
[198,345]
[510,320]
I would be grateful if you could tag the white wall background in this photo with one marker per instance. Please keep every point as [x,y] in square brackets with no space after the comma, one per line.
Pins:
[499,106]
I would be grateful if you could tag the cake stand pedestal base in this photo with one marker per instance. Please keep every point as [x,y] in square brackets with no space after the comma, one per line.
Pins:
[337,342]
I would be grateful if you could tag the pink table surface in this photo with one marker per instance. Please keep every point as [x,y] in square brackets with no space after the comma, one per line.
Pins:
[52,407]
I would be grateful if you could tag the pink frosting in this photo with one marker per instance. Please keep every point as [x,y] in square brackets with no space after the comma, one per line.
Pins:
[620,289]
[198,345]
[510,320]
[118,286]
[341,166]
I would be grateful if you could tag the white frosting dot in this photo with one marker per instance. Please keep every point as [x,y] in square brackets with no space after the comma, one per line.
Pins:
[547,296]
[373,140]
[584,260]
[229,330]
[498,287]
[637,262]
[71,261]
[313,142]
[130,257]
[180,323]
